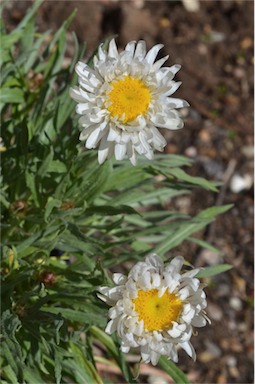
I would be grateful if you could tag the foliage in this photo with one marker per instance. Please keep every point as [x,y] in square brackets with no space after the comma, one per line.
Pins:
[65,218]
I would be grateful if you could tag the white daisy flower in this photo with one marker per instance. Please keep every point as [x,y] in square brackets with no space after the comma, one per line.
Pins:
[124,99]
[155,308]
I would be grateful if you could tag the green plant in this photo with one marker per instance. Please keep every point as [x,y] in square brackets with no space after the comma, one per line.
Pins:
[65,218]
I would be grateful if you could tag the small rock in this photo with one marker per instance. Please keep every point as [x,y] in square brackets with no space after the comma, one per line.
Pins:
[191,152]
[164,22]
[205,136]
[246,43]
[202,49]
[213,348]
[240,183]
[236,304]
[231,361]
[210,257]
[234,372]
[217,37]
[242,327]
[183,204]
[248,151]
[191,5]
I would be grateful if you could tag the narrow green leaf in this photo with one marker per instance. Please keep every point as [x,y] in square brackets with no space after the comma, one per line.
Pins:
[58,358]
[9,374]
[28,36]
[32,186]
[86,317]
[114,351]
[22,246]
[46,163]
[57,166]
[147,196]
[29,14]
[50,205]
[176,373]
[181,234]
[110,210]
[11,95]
[214,270]
[199,181]
[32,376]
[8,41]
[210,213]
[9,356]
[205,245]
[48,134]
[125,176]
[85,364]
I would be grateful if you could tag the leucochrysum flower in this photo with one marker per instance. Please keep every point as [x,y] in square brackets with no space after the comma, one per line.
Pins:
[124,99]
[155,308]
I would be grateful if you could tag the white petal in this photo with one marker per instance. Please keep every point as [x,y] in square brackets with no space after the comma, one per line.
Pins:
[119,278]
[93,139]
[125,348]
[159,63]
[177,330]
[101,53]
[131,153]
[175,68]
[145,280]
[76,94]
[154,260]
[140,51]
[85,72]
[168,123]
[156,280]
[168,72]
[173,88]
[191,273]
[198,321]
[152,53]
[120,151]
[158,140]
[111,326]
[86,132]
[130,47]
[82,107]
[176,264]
[177,103]
[113,135]
[154,358]
[143,140]
[145,354]
[112,51]
[188,348]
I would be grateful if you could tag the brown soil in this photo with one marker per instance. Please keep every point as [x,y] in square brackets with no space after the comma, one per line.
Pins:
[214,45]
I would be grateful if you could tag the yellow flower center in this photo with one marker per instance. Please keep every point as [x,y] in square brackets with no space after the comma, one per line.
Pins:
[129,97]
[157,312]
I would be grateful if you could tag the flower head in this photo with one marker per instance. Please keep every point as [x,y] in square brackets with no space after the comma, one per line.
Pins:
[155,308]
[124,99]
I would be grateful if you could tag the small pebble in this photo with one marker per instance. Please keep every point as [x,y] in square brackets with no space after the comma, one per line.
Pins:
[240,183]
[231,361]
[248,151]
[191,152]
[156,380]
[191,5]
[236,304]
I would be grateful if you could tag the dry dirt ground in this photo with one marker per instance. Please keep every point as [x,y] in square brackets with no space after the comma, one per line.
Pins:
[214,45]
